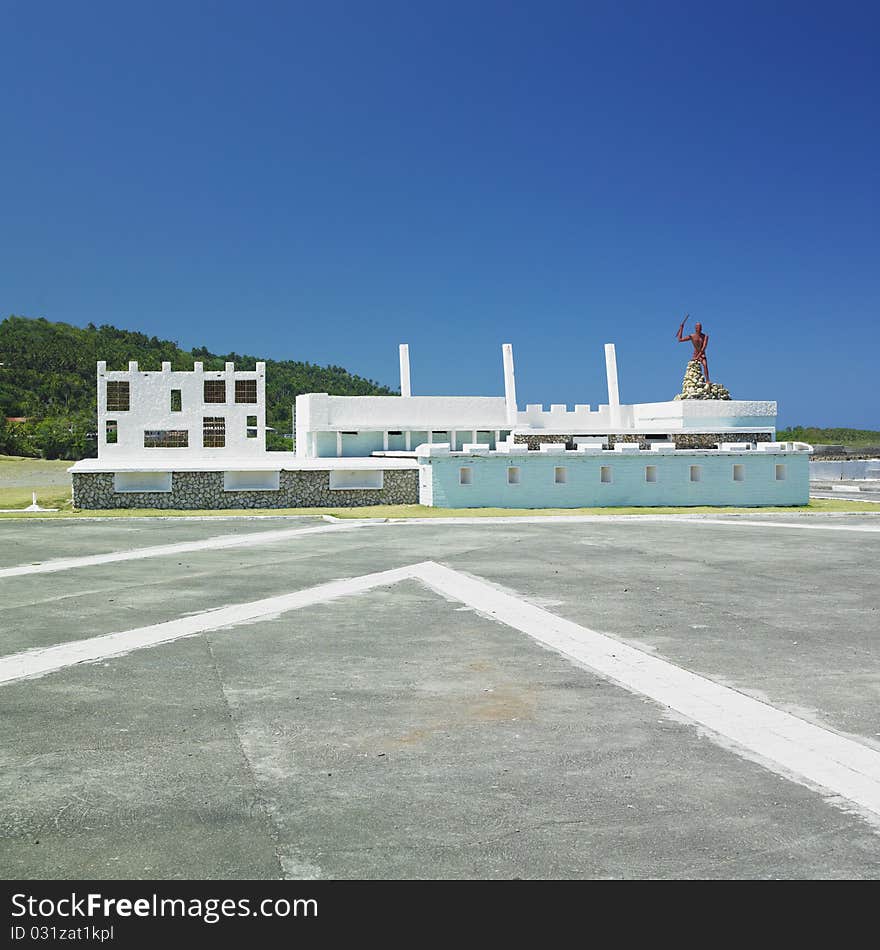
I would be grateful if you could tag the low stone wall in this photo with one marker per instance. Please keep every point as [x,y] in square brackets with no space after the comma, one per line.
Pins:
[191,490]
[693,440]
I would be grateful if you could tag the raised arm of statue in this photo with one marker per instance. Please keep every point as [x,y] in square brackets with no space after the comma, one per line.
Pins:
[683,339]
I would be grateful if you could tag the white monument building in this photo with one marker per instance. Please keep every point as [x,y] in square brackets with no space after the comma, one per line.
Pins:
[196,439]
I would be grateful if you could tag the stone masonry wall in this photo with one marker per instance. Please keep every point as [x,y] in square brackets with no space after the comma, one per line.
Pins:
[191,490]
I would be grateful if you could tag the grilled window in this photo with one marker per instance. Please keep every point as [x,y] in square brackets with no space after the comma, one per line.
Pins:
[213,432]
[215,390]
[245,390]
[176,401]
[112,432]
[166,438]
[118,396]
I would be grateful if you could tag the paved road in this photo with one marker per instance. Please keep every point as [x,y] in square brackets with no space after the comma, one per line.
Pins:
[404,732]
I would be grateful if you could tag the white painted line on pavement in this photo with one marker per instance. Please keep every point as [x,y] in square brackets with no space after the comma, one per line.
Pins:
[253,539]
[38,662]
[217,542]
[809,754]
[616,519]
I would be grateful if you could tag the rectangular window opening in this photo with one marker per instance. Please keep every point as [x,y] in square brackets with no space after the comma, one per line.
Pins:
[176,401]
[112,432]
[650,473]
[118,396]
[251,481]
[780,473]
[215,390]
[354,479]
[142,481]
[245,390]
[605,474]
[166,438]
[465,476]
[560,475]
[213,432]
[739,473]
[513,475]
[252,427]
[696,473]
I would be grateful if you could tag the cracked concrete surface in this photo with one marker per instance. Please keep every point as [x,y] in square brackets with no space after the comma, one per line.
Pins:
[398,735]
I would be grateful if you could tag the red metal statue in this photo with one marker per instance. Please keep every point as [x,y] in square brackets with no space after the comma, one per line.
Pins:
[700,341]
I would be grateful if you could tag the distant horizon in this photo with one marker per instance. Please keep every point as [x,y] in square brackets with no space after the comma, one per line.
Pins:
[323,182]
[395,384]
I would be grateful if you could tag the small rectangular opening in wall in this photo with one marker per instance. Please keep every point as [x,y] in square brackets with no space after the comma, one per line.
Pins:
[560,475]
[166,438]
[696,473]
[650,473]
[251,427]
[215,390]
[605,474]
[739,473]
[465,476]
[780,473]
[176,401]
[112,432]
[245,390]
[348,479]
[141,481]
[213,432]
[118,396]
[251,481]
[513,475]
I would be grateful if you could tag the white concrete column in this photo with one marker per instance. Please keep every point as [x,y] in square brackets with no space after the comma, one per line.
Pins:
[338,444]
[453,435]
[497,438]
[613,391]
[430,436]
[385,440]
[405,389]
[611,374]
[509,383]
[408,440]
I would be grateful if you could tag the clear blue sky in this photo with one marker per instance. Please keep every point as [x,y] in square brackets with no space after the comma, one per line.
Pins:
[322,181]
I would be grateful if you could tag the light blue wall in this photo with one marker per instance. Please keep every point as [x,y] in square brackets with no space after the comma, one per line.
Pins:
[489,488]
[726,422]
[362,444]
[326,444]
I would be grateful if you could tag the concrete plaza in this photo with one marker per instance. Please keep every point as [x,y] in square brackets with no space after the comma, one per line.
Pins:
[397,730]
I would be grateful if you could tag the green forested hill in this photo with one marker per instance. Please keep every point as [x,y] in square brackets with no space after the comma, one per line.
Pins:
[853,438]
[47,376]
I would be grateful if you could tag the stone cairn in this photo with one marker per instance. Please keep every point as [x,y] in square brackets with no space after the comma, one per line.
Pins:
[695,387]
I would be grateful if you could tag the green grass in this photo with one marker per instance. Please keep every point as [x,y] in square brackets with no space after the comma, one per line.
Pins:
[21,476]
[818,505]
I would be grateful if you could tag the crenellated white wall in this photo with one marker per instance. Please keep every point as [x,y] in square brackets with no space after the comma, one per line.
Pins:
[150,408]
